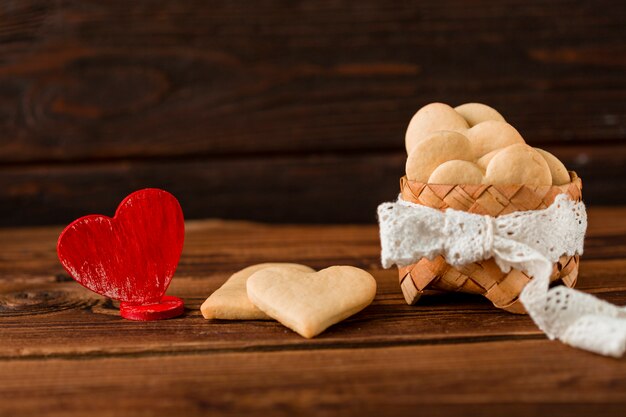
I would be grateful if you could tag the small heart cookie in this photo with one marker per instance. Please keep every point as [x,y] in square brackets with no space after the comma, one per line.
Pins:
[433,151]
[484,160]
[491,135]
[518,164]
[559,173]
[230,301]
[475,113]
[310,302]
[431,118]
[457,172]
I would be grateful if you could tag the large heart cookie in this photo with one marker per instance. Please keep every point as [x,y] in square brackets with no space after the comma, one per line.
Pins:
[310,302]
[231,302]
[132,256]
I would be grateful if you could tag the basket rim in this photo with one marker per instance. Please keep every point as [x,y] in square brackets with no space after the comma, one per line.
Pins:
[490,199]
[574,179]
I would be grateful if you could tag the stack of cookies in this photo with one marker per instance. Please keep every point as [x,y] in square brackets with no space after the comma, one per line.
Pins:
[303,300]
[473,144]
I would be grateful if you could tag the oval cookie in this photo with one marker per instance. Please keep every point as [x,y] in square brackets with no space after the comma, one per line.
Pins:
[518,164]
[475,113]
[436,149]
[456,172]
[559,173]
[431,118]
[491,135]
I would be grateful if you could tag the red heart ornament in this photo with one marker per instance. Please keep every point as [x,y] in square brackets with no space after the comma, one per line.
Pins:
[131,257]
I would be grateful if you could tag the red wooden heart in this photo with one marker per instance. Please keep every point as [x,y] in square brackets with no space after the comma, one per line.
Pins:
[132,256]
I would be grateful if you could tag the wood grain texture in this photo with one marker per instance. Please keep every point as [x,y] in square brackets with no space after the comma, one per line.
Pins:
[315,189]
[91,80]
[98,99]
[323,381]
[64,348]
[281,189]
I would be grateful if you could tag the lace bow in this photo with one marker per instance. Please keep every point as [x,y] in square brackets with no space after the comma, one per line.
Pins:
[531,241]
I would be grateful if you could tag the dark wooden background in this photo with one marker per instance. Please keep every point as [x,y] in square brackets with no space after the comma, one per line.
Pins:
[288,111]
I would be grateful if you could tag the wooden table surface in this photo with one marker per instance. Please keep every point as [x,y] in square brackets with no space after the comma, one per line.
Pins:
[65,351]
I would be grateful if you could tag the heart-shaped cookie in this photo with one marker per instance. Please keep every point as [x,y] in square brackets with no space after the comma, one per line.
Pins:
[310,302]
[130,257]
[231,302]
[433,151]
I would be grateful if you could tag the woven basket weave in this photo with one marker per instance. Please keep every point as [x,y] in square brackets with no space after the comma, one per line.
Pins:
[485,277]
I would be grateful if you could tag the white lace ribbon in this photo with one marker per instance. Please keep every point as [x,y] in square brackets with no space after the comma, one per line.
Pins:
[531,241]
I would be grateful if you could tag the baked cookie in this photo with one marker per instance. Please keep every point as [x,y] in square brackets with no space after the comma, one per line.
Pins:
[559,173]
[484,160]
[491,135]
[431,118]
[475,113]
[518,164]
[309,302]
[457,172]
[433,151]
[230,301]
[438,153]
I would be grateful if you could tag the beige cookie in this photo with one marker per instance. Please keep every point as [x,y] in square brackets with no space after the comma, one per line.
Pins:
[484,160]
[475,113]
[230,301]
[518,164]
[433,151]
[559,173]
[491,135]
[310,302]
[456,172]
[432,118]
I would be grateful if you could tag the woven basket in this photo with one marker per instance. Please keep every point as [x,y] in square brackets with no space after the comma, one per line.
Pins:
[485,277]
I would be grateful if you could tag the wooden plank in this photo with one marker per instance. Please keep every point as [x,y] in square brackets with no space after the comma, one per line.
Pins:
[513,378]
[65,351]
[38,301]
[98,80]
[313,189]
[57,312]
